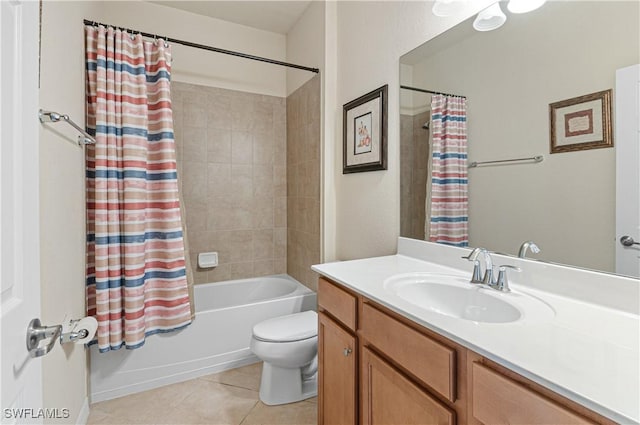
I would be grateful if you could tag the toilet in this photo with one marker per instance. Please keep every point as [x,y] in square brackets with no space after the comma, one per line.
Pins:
[288,345]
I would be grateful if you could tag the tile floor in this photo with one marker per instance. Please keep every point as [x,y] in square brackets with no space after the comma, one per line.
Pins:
[225,398]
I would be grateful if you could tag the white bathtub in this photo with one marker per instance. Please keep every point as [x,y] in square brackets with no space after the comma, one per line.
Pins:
[217,340]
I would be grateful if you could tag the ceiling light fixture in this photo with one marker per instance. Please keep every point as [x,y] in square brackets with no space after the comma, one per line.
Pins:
[444,8]
[524,6]
[490,18]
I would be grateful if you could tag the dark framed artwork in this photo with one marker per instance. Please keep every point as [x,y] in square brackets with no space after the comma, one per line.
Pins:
[581,123]
[365,132]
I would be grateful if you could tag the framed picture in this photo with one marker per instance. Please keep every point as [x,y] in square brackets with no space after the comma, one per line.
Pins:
[365,132]
[581,123]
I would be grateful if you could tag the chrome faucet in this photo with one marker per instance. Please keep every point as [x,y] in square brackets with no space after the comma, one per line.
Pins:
[488,266]
[531,245]
[501,283]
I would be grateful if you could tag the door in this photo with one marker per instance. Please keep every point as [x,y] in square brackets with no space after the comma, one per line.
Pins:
[388,397]
[337,362]
[21,388]
[627,122]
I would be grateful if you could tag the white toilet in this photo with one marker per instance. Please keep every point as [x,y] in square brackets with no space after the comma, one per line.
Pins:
[288,345]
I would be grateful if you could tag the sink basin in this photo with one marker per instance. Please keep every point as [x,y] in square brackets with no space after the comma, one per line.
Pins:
[454,296]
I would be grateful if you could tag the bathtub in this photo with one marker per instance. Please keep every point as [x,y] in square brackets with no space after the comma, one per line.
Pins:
[217,340]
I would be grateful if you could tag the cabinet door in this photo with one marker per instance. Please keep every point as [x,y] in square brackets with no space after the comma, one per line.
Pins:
[388,397]
[337,377]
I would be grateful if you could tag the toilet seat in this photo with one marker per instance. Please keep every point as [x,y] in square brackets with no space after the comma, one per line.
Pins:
[290,328]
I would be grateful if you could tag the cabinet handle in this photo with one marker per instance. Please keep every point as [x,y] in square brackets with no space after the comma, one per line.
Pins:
[347,351]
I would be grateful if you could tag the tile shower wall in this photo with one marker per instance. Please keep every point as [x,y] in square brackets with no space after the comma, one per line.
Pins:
[231,149]
[414,159]
[303,182]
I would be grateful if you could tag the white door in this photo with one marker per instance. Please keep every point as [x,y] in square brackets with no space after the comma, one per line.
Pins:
[627,142]
[20,375]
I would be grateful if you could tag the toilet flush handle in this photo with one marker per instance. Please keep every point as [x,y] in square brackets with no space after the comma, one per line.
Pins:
[347,351]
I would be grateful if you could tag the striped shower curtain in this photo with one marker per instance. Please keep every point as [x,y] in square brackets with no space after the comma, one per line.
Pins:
[136,283]
[448,217]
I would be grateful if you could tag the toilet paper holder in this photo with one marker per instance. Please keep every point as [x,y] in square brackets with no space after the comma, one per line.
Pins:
[73,335]
[36,332]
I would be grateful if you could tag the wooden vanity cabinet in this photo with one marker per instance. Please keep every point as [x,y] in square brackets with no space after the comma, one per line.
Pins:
[378,367]
[337,356]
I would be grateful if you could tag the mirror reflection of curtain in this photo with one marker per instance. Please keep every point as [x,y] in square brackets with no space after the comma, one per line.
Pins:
[447,198]
[136,277]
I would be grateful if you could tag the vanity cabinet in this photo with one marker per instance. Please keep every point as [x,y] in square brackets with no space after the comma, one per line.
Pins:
[337,356]
[378,367]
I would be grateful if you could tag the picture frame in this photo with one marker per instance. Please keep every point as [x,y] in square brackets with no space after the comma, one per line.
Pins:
[581,123]
[365,132]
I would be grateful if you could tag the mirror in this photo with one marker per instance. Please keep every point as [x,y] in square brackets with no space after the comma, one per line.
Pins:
[566,203]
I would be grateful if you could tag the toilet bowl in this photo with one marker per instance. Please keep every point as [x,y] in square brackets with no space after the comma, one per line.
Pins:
[288,345]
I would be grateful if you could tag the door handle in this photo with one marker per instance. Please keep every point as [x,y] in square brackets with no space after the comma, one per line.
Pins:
[36,333]
[628,241]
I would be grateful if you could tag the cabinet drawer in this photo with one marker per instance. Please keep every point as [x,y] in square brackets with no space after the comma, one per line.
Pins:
[338,302]
[498,399]
[425,358]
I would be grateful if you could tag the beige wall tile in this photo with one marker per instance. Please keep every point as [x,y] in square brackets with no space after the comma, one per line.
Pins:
[263,213]
[194,115]
[280,180]
[233,169]
[280,266]
[280,242]
[280,212]
[242,270]
[196,215]
[263,147]
[263,244]
[241,147]
[239,245]
[219,113]
[242,117]
[263,268]
[303,181]
[219,145]
[219,274]
[194,180]
[242,184]
[263,181]
[194,144]
[262,119]
[219,180]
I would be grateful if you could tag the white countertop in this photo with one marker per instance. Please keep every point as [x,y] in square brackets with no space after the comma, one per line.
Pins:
[587,352]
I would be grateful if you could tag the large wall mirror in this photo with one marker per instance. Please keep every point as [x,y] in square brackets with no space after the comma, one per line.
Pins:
[566,203]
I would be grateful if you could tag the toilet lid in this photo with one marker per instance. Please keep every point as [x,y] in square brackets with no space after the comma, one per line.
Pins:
[293,327]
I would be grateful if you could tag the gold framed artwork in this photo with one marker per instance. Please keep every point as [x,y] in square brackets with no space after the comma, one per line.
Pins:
[581,123]
[365,133]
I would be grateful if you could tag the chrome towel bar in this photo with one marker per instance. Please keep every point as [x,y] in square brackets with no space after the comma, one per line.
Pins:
[50,116]
[537,158]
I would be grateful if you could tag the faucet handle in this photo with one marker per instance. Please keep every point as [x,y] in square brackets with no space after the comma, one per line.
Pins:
[502,282]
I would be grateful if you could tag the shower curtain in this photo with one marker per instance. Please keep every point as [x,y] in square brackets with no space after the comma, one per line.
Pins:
[136,278]
[447,201]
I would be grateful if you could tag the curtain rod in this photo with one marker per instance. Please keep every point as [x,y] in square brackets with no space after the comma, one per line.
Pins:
[431,91]
[209,48]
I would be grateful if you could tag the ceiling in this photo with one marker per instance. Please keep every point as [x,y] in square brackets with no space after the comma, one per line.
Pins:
[274,16]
